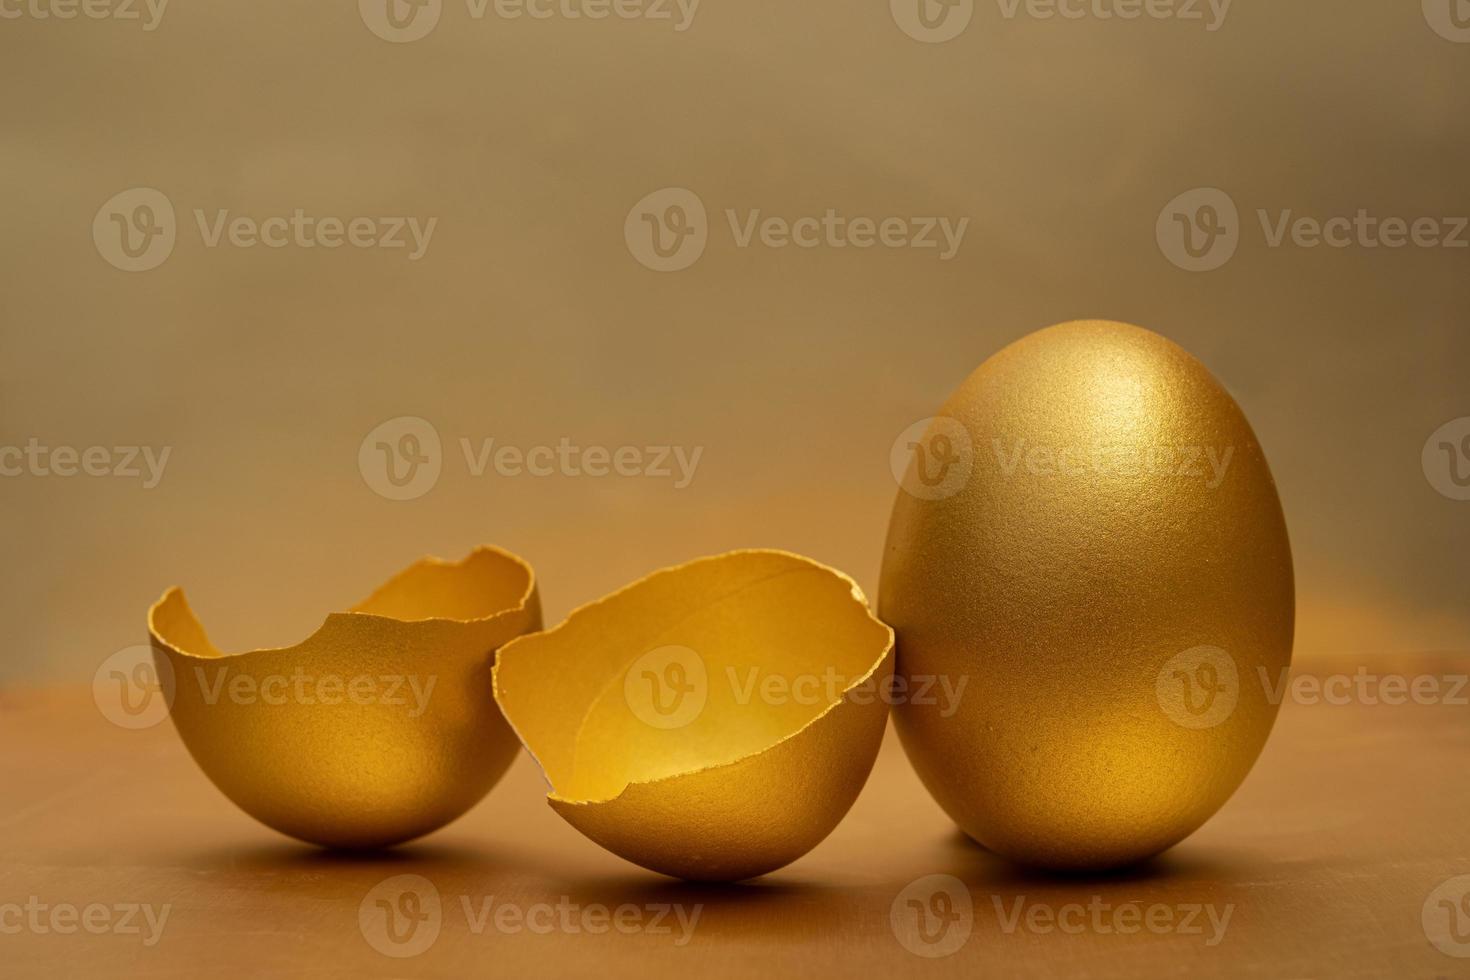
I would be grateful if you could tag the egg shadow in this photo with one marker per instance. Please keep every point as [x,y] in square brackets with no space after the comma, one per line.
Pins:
[1195,869]
[768,908]
[287,855]
[269,868]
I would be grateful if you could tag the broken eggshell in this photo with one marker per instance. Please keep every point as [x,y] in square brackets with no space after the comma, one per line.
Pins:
[378,728]
[713,721]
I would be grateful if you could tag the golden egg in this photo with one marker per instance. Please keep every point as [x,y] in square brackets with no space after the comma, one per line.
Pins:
[378,728]
[713,721]
[1090,545]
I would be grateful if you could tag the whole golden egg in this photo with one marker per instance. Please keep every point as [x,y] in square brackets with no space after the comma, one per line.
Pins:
[1089,576]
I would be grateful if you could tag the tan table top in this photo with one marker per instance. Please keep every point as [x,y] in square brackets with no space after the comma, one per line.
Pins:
[1326,862]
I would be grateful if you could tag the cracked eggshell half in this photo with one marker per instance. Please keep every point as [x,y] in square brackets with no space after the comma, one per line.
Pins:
[378,728]
[713,721]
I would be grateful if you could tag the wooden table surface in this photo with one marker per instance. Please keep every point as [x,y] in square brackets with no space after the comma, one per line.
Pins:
[1327,863]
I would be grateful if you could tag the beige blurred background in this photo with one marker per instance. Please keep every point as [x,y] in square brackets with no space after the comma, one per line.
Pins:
[529,320]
